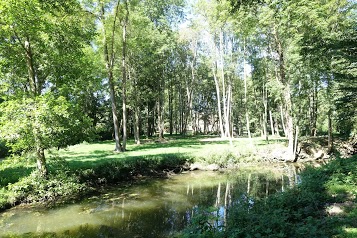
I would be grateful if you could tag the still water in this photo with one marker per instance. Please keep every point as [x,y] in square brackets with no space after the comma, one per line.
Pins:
[152,208]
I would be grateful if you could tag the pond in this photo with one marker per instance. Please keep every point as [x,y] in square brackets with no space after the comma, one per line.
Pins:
[149,208]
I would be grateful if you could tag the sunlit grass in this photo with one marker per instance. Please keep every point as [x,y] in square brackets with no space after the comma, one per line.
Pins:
[206,149]
[349,233]
[97,162]
[198,148]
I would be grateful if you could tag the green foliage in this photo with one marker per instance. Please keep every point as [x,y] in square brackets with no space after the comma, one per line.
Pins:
[15,167]
[46,121]
[60,185]
[114,171]
[343,180]
[204,224]
[4,150]
[222,158]
[3,199]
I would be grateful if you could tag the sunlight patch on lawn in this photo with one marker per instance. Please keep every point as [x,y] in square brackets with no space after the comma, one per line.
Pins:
[349,233]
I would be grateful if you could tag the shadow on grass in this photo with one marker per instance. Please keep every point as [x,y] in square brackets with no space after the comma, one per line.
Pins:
[88,162]
[272,141]
[114,170]
[13,174]
[175,142]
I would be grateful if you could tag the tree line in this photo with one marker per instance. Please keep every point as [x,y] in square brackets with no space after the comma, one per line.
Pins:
[113,69]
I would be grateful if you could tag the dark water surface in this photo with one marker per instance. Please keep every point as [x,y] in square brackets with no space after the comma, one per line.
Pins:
[153,208]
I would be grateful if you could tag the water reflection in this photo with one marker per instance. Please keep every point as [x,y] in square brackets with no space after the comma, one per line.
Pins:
[155,208]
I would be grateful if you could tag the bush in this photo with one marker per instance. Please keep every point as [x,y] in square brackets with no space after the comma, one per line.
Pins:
[4,150]
[221,158]
[204,224]
[126,169]
[60,185]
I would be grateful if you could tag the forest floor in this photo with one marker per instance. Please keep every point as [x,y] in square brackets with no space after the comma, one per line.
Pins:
[79,170]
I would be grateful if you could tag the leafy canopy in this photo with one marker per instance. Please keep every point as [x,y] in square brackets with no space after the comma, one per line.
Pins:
[45,121]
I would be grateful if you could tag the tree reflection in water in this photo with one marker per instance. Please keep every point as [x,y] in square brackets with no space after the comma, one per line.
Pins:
[155,208]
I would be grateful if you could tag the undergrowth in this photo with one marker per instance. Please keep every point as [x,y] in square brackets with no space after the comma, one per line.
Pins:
[298,212]
[65,183]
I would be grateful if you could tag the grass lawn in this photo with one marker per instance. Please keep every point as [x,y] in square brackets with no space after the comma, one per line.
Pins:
[97,163]
[89,155]
[197,148]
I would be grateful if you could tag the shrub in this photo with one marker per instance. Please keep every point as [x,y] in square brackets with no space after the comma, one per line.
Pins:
[60,185]
[4,150]
[114,171]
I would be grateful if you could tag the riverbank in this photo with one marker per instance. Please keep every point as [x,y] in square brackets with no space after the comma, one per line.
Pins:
[324,204]
[78,171]
[150,207]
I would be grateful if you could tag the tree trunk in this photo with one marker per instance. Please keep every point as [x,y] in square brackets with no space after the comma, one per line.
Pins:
[313,111]
[109,63]
[136,109]
[282,120]
[330,139]
[289,122]
[288,119]
[225,100]
[296,142]
[245,93]
[136,126]
[218,99]
[188,111]
[31,68]
[35,89]
[160,118]
[151,107]
[329,118]
[41,162]
[40,151]
[182,113]
[261,119]
[125,23]
[148,121]
[190,87]
[265,115]
[287,103]
[228,120]
[114,113]
[171,108]
[276,128]
[271,123]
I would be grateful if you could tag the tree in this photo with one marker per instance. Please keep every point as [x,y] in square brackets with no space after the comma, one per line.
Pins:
[46,121]
[46,36]
[124,71]
[330,37]
[109,53]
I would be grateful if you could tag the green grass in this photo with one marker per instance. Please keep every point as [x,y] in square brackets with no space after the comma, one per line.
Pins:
[300,212]
[88,165]
[14,168]
[199,148]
